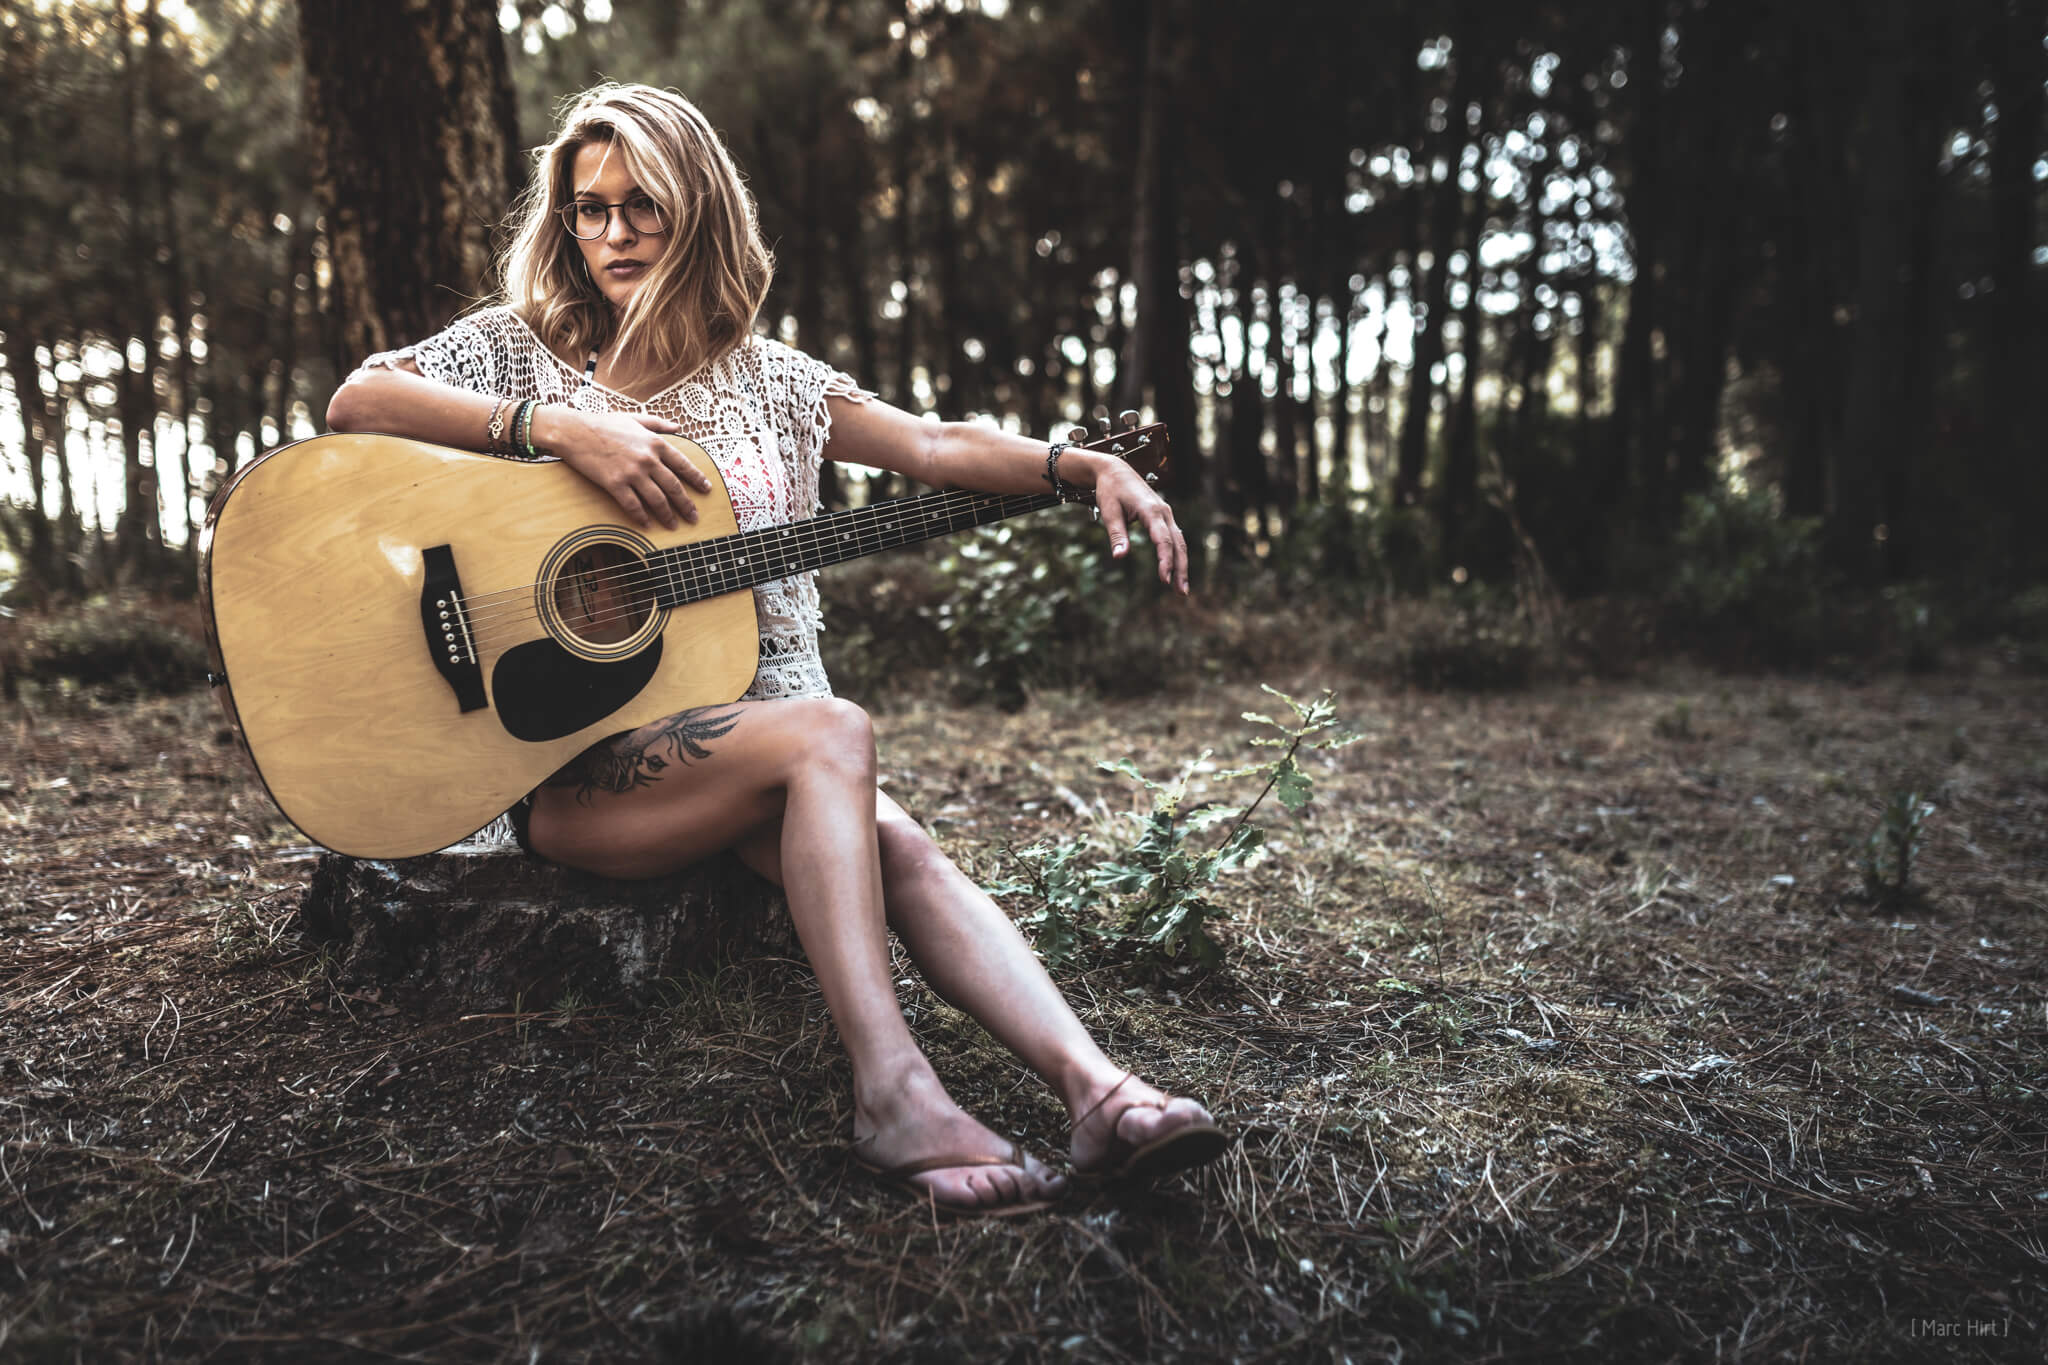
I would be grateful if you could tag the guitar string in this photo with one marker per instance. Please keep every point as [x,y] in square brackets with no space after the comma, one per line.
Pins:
[809,533]
[700,566]
[956,497]
[697,565]
[716,582]
[502,607]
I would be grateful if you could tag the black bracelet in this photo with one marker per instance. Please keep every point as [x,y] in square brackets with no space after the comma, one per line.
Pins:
[526,429]
[516,442]
[1052,470]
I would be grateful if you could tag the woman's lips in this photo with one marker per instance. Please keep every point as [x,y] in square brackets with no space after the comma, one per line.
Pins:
[625,268]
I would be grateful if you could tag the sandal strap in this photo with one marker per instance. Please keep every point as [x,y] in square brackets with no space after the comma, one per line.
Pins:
[927,1164]
[1107,1096]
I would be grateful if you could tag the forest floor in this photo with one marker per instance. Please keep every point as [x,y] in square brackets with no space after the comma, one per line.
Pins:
[1558,1025]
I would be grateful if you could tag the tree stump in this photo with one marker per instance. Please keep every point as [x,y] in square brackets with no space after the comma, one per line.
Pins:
[486,926]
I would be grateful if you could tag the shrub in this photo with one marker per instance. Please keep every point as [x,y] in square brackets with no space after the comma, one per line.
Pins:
[121,645]
[1039,603]
[1444,645]
[879,633]
[1747,582]
[2026,633]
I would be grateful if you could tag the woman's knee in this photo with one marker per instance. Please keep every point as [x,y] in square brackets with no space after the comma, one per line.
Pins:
[836,735]
[907,850]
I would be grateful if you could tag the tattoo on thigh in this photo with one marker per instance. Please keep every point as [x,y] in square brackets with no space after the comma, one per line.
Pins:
[640,757]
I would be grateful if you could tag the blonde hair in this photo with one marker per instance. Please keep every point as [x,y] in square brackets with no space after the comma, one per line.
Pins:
[699,299]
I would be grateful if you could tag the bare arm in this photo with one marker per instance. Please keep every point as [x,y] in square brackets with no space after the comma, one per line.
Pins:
[622,453]
[967,455]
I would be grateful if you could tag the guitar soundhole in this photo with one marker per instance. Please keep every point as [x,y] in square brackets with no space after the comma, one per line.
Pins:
[604,594]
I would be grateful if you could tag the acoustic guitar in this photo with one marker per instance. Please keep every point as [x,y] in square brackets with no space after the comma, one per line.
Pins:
[410,638]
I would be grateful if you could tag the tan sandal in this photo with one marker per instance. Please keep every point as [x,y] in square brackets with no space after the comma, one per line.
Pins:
[901,1179]
[1194,1143]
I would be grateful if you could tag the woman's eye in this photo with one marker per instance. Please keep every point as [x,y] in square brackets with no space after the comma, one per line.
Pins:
[640,203]
[589,212]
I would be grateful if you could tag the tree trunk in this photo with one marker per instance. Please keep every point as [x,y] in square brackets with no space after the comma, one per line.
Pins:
[1586,355]
[1429,345]
[860,304]
[37,430]
[950,374]
[1286,427]
[135,527]
[1810,244]
[1871,434]
[2013,407]
[1635,428]
[414,145]
[1460,492]
[906,237]
[1251,490]
[1444,222]
[1720,109]
[70,523]
[489,928]
[810,265]
[1340,398]
[1155,353]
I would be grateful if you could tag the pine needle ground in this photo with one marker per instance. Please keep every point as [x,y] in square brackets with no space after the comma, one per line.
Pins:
[1559,1025]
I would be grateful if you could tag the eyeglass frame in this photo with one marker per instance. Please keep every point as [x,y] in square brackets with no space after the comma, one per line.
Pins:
[567,213]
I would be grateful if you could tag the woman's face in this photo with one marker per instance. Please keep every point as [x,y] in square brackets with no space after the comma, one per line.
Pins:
[621,256]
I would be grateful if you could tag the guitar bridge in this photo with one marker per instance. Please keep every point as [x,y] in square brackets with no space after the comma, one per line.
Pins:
[445,617]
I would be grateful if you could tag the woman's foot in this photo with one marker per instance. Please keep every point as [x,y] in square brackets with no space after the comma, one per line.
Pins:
[917,1139]
[1128,1130]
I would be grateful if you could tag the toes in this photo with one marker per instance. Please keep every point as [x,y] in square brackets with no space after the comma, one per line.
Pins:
[990,1186]
[1142,1123]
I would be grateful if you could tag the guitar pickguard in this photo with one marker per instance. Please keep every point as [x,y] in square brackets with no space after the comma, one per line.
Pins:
[543,692]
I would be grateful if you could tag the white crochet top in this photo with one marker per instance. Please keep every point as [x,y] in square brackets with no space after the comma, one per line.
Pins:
[759,413]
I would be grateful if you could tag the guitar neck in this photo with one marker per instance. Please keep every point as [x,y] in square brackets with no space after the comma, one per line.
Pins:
[712,568]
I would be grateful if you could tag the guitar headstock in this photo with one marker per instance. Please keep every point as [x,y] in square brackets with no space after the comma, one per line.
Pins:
[1144,448]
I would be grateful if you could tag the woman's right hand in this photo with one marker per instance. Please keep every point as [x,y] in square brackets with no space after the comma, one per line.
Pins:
[623,454]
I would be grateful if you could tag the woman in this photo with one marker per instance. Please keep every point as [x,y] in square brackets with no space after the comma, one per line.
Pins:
[631,291]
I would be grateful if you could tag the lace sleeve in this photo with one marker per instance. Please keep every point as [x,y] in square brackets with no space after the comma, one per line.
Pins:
[474,353]
[798,386]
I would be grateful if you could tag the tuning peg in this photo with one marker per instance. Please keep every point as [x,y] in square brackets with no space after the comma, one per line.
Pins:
[1129,418]
[1078,434]
[1102,425]
[1152,479]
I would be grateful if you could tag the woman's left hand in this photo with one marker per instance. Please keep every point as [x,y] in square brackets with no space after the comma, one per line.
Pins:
[1124,498]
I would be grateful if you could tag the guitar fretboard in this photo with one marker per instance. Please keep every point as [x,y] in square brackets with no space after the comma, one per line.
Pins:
[711,568]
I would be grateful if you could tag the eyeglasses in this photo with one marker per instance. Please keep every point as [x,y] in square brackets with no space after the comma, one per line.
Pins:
[587,219]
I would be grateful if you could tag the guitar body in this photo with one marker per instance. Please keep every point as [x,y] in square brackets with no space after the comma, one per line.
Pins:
[385,725]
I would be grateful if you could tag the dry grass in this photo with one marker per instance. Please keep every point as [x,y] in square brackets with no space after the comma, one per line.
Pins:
[1555,1028]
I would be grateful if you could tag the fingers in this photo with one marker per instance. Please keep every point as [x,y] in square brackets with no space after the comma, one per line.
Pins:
[684,468]
[651,480]
[1173,552]
[1113,522]
[671,500]
[1157,520]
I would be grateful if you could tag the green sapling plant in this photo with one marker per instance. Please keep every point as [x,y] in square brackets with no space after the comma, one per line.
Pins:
[1160,888]
[1890,851]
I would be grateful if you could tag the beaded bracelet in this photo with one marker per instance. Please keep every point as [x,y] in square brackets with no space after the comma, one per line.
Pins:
[1052,470]
[526,431]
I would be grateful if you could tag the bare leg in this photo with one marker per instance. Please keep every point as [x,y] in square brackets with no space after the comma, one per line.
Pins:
[671,793]
[977,961]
